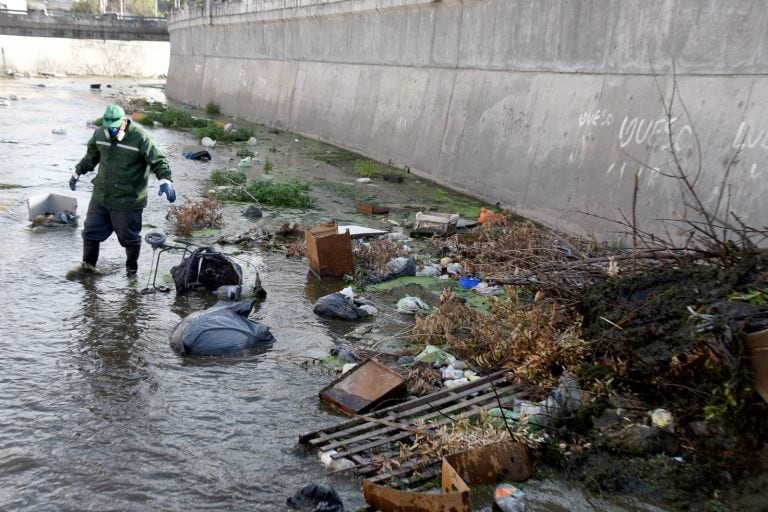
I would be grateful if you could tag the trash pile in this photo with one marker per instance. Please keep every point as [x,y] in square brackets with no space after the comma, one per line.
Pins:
[614,352]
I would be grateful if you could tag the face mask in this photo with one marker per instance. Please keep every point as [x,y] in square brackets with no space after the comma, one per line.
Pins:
[113,132]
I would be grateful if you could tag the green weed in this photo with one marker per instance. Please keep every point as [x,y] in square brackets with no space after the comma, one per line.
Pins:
[244,153]
[228,177]
[172,117]
[212,109]
[465,206]
[369,168]
[337,188]
[268,165]
[218,133]
[294,194]
[330,155]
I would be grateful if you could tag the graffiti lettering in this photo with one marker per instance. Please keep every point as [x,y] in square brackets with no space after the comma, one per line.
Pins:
[748,138]
[596,118]
[648,173]
[621,169]
[755,171]
[636,130]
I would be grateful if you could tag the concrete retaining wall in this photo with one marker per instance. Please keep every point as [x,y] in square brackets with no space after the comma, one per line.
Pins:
[546,106]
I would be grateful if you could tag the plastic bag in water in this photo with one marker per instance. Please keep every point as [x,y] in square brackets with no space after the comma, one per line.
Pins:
[220,329]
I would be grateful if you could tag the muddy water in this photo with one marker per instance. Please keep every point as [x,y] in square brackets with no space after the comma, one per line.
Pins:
[96,411]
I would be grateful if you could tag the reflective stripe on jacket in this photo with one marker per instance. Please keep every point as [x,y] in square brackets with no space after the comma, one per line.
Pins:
[124,167]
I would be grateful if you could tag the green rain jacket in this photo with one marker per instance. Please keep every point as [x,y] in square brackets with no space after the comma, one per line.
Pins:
[124,167]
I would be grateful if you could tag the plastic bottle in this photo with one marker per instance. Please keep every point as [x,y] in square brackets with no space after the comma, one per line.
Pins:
[228,292]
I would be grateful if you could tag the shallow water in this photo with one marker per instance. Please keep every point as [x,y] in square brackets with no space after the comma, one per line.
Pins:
[96,411]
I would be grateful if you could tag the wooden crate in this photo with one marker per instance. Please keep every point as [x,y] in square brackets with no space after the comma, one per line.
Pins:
[436,223]
[330,252]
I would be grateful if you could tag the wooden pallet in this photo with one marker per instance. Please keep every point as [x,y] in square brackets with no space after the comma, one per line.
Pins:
[367,440]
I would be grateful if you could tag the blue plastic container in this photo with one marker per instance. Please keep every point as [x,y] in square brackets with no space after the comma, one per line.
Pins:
[468,282]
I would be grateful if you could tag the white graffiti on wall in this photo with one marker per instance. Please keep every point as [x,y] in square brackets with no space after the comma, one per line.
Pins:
[637,130]
[595,118]
[661,134]
[748,138]
[755,171]
[650,173]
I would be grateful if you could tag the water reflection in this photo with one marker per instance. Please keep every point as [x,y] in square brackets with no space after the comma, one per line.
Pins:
[113,339]
[317,286]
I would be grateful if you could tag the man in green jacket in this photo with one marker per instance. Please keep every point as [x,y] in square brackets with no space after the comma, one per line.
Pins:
[126,155]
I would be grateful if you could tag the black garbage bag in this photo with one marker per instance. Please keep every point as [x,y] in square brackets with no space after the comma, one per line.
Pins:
[206,267]
[398,267]
[316,498]
[221,329]
[338,305]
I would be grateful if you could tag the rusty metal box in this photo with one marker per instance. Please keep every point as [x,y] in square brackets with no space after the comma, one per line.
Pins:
[365,387]
[330,252]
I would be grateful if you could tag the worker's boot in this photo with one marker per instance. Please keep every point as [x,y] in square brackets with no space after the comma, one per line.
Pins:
[90,256]
[132,260]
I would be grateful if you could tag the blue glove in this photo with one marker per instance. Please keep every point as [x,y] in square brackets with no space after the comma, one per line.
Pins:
[167,189]
[73,181]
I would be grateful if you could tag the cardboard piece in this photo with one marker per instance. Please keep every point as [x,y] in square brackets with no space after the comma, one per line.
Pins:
[364,387]
[330,252]
[757,346]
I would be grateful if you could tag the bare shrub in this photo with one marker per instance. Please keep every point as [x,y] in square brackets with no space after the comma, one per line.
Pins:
[195,215]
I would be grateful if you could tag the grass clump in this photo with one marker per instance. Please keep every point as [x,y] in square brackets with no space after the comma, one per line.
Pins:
[212,109]
[194,215]
[172,117]
[218,133]
[330,155]
[245,153]
[268,165]
[294,194]
[228,177]
[369,168]
[178,119]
